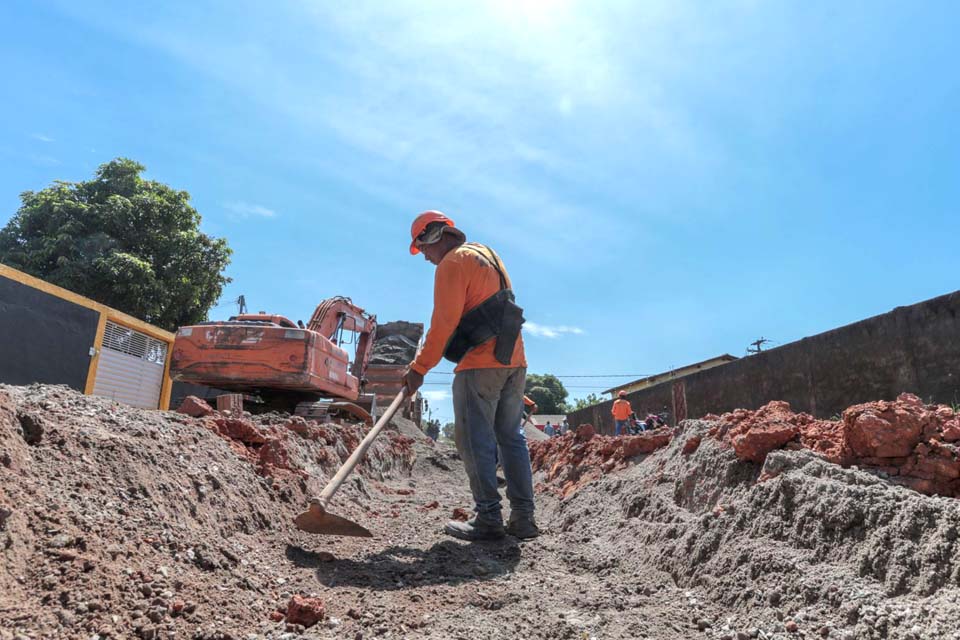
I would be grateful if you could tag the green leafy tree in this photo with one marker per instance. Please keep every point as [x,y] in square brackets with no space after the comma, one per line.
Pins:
[448,431]
[583,403]
[124,241]
[548,392]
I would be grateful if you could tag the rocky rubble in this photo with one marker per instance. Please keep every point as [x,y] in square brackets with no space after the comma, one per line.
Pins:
[277,444]
[578,457]
[910,443]
[797,527]
[396,343]
[122,523]
[795,547]
[904,440]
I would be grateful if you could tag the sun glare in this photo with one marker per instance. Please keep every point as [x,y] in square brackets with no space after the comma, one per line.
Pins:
[531,12]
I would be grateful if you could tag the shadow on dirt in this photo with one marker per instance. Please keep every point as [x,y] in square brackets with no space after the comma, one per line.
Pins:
[448,562]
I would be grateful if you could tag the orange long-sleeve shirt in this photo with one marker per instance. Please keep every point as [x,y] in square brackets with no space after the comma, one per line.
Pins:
[463,280]
[621,409]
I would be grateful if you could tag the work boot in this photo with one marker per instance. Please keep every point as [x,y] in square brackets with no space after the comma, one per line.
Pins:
[473,529]
[523,527]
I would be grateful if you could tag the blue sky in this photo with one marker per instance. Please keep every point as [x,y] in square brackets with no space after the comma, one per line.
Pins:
[666,181]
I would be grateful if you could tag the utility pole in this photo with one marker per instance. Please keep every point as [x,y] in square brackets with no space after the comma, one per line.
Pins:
[242,303]
[757,345]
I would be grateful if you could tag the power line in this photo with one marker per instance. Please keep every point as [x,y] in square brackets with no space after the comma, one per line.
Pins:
[573,386]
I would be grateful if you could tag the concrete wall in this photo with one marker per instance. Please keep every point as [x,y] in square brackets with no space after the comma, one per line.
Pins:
[914,349]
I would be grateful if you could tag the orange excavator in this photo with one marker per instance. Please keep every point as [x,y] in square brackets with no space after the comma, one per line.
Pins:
[283,366]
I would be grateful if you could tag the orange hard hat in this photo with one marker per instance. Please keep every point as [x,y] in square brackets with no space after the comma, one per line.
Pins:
[622,394]
[421,222]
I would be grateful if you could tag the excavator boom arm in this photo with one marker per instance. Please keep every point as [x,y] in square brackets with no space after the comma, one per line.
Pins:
[337,314]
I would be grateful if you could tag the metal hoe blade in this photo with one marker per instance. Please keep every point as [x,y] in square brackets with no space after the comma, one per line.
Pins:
[317,520]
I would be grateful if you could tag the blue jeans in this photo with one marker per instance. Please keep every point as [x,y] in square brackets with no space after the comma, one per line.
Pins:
[620,426]
[487,407]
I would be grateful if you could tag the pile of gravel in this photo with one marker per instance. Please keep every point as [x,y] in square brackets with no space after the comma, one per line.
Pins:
[794,547]
[396,343]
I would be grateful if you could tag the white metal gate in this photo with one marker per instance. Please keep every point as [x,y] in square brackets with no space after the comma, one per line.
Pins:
[130,369]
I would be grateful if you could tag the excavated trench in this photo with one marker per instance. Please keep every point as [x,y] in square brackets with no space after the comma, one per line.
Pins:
[122,523]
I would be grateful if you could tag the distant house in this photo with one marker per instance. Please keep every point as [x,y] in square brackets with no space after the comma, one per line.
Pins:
[540,421]
[673,374]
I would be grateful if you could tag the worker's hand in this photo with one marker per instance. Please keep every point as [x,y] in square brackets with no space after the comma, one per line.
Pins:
[412,381]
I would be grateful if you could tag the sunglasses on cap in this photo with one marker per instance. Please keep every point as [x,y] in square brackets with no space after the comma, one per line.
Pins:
[430,235]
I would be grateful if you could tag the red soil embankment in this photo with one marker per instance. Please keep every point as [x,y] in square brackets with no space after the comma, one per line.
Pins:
[913,444]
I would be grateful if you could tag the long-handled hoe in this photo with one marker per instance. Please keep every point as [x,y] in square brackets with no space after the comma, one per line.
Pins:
[316,519]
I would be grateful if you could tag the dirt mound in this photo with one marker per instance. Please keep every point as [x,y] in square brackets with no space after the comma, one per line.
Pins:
[409,429]
[911,443]
[532,433]
[815,544]
[795,546]
[306,448]
[122,523]
[396,342]
[577,457]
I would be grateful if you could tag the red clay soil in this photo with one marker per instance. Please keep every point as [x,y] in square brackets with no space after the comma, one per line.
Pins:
[304,610]
[913,444]
[268,447]
[195,407]
[753,434]
[580,456]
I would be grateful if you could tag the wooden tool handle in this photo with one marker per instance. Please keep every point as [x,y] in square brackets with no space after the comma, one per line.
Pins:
[360,451]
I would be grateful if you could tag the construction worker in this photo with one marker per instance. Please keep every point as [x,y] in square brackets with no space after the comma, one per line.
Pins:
[530,408]
[621,412]
[476,324]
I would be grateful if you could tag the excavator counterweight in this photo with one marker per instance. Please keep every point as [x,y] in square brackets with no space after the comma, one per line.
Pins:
[272,357]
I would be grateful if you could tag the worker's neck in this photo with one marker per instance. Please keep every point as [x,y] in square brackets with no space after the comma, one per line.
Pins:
[449,244]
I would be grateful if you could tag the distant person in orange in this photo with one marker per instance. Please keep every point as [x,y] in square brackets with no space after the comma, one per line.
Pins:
[476,324]
[621,413]
[530,408]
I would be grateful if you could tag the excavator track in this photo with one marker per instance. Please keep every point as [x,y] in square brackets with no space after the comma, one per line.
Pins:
[332,409]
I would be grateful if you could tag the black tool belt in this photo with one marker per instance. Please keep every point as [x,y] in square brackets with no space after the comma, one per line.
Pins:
[496,317]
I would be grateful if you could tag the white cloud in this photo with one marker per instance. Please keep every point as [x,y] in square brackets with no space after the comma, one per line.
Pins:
[543,331]
[42,138]
[247,209]
[496,108]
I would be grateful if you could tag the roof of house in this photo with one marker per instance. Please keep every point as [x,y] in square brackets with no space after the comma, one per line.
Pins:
[679,372]
[545,418]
